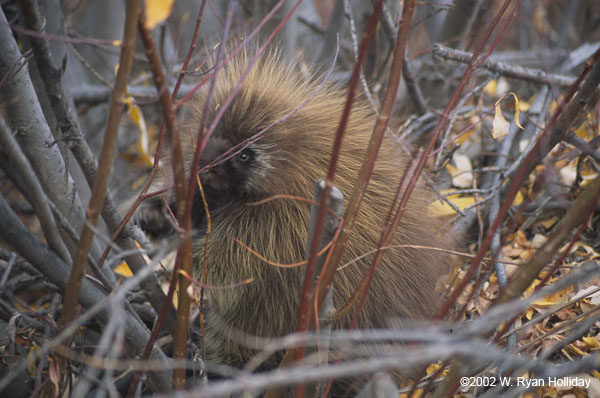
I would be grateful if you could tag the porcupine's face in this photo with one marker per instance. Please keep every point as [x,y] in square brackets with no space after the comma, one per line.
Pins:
[237,167]
[232,173]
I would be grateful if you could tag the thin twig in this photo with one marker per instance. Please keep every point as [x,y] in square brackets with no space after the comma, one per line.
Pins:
[505,69]
[106,158]
[184,254]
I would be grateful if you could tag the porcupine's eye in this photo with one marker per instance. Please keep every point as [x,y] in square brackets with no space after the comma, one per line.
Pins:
[245,155]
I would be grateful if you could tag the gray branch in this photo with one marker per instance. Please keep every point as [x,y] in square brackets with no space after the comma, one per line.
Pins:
[23,241]
[25,117]
[508,70]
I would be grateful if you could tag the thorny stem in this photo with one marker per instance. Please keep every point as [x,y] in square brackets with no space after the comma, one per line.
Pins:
[378,134]
[184,253]
[304,312]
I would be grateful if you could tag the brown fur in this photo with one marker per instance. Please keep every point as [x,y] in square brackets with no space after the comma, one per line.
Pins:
[288,160]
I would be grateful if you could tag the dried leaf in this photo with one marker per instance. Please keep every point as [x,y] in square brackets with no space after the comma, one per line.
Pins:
[568,174]
[123,270]
[518,199]
[157,11]
[591,342]
[499,124]
[462,172]
[539,240]
[549,223]
[491,88]
[521,239]
[582,131]
[560,297]
[517,110]
[54,374]
[434,367]
[588,292]
[443,209]
[529,313]
[502,87]
[143,142]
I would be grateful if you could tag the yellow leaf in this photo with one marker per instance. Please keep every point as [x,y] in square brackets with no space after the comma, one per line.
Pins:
[123,269]
[588,176]
[157,11]
[531,288]
[490,88]
[442,209]
[521,239]
[575,349]
[592,342]
[434,367]
[559,297]
[582,130]
[529,314]
[524,106]
[517,108]
[549,223]
[143,142]
[518,199]
[465,136]
[116,43]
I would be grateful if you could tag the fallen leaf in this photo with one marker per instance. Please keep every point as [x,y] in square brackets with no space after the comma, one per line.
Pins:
[443,209]
[538,240]
[491,88]
[143,142]
[123,270]
[591,342]
[499,124]
[157,11]
[500,127]
[568,174]
[588,292]
[462,172]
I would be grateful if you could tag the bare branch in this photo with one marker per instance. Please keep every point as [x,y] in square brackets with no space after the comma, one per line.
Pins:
[505,69]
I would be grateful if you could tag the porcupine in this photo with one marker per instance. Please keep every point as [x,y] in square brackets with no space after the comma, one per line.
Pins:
[288,158]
